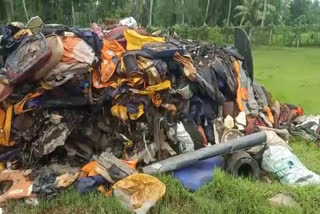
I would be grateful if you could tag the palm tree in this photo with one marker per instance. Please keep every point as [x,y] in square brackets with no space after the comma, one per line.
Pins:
[251,11]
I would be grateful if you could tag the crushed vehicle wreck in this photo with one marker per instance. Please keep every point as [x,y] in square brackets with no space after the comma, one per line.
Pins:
[118,101]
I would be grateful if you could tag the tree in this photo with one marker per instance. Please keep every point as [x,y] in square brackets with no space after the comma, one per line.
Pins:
[229,12]
[207,10]
[298,8]
[25,9]
[150,13]
[251,13]
[264,13]
[215,11]
[73,13]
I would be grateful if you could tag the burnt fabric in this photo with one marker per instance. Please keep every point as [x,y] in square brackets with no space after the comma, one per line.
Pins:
[207,82]
[35,54]
[88,184]
[163,51]
[8,43]
[191,127]
[224,74]
[44,183]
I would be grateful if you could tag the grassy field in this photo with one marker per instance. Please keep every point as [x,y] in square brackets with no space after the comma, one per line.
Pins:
[292,76]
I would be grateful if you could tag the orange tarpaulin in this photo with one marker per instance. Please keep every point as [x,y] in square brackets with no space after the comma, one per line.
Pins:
[239,91]
[5,126]
[76,50]
[111,53]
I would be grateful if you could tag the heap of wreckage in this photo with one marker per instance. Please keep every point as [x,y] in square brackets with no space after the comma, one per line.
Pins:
[108,107]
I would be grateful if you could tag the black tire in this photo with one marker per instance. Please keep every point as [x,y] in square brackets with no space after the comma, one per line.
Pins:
[241,164]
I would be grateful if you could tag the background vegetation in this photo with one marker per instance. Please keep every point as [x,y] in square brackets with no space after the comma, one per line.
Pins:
[268,22]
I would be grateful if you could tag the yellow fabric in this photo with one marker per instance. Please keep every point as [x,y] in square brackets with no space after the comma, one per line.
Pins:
[123,67]
[146,65]
[46,85]
[119,111]
[5,127]
[132,81]
[2,166]
[135,41]
[188,68]
[22,33]
[140,188]
[139,114]
[153,88]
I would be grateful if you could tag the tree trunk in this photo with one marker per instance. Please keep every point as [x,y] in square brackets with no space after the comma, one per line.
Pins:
[207,11]
[150,13]
[25,9]
[11,10]
[215,12]
[270,37]
[133,8]
[115,5]
[250,34]
[73,13]
[229,12]
[182,4]
[264,13]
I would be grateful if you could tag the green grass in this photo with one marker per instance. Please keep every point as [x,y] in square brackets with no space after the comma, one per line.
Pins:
[292,76]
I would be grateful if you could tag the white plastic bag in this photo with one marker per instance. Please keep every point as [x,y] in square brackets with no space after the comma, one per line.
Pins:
[185,141]
[130,22]
[288,168]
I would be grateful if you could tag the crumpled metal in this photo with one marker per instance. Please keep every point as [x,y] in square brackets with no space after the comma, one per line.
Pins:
[51,138]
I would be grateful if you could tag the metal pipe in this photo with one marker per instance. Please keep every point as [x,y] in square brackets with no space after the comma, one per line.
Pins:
[186,159]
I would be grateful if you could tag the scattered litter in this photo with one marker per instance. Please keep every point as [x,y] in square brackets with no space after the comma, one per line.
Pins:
[281,161]
[19,187]
[282,200]
[94,106]
[139,192]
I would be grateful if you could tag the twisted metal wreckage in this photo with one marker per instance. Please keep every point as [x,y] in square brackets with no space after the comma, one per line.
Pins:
[119,101]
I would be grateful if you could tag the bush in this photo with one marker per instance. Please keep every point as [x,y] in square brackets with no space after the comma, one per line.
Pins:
[308,35]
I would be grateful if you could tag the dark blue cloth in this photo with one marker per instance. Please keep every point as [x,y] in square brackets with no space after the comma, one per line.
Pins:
[87,184]
[198,174]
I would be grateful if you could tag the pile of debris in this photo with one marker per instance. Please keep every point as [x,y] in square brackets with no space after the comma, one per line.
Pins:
[106,107]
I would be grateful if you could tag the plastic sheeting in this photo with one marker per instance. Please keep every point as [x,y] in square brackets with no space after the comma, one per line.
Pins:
[288,168]
[185,141]
[139,190]
[135,41]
